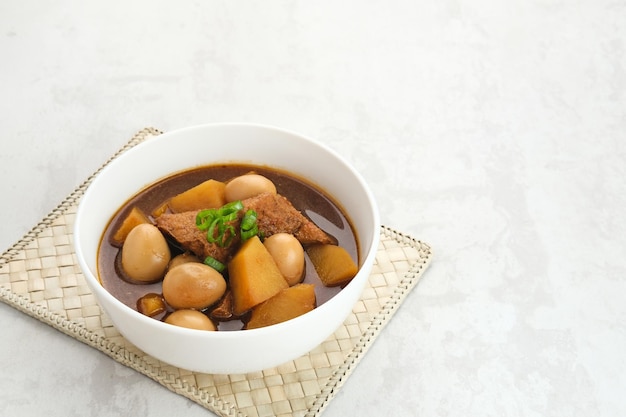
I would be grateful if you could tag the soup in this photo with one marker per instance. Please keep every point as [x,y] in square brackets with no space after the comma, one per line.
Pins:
[308,199]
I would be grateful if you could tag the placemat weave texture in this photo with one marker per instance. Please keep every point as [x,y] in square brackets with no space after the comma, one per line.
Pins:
[39,276]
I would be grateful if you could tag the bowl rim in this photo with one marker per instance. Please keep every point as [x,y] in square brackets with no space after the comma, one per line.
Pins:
[96,286]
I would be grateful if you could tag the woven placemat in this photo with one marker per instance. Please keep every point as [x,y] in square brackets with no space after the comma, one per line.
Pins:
[39,276]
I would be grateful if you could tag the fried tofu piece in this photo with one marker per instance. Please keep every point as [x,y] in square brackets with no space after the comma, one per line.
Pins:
[181,227]
[275,214]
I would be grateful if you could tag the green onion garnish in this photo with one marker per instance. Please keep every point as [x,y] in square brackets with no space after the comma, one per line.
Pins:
[216,223]
[249,225]
[249,220]
[215,264]
[247,234]
[227,213]
[232,207]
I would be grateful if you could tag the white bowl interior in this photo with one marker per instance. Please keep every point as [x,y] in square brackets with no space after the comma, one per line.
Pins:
[225,143]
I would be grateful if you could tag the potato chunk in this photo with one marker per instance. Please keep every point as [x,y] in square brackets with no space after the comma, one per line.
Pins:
[286,305]
[254,276]
[162,208]
[135,217]
[207,195]
[151,304]
[333,264]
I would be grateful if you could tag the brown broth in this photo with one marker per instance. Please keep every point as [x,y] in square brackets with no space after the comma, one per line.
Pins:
[304,196]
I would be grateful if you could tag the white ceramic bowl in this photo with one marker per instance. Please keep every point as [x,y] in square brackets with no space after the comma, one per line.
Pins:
[227,351]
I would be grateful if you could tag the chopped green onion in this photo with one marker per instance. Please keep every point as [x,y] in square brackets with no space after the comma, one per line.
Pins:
[204,218]
[247,234]
[229,217]
[220,232]
[232,207]
[249,226]
[216,223]
[249,220]
[227,213]
[231,235]
[215,264]
[211,231]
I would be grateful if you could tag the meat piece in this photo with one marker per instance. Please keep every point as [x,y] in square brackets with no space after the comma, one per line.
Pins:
[276,214]
[182,228]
